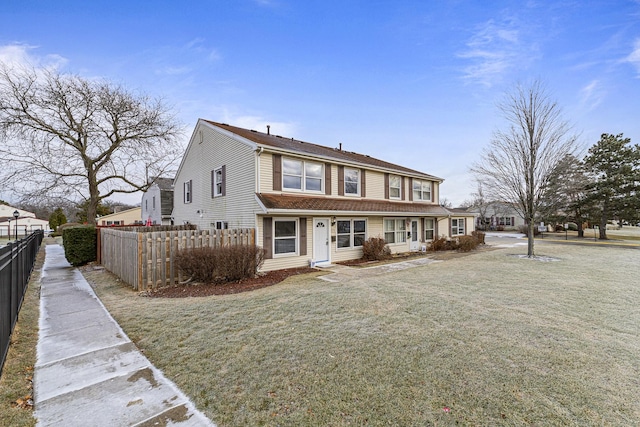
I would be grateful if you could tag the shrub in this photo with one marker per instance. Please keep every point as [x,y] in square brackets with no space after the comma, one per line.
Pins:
[79,244]
[221,264]
[467,243]
[479,235]
[375,249]
[439,244]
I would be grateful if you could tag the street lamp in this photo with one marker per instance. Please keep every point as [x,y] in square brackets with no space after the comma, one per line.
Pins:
[16,214]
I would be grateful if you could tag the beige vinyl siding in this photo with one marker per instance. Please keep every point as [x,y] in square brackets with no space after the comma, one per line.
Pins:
[292,261]
[435,189]
[375,185]
[238,205]
[266,172]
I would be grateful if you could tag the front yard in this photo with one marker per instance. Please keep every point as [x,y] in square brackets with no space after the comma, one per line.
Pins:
[485,339]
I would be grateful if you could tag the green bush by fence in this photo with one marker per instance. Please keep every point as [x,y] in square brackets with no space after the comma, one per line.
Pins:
[79,244]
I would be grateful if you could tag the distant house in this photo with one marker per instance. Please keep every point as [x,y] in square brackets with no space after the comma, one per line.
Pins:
[157,202]
[308,203]
[126,217]
[27,222]
[497,216]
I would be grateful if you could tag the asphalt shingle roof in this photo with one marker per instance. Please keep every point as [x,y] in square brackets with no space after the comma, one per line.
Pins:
[294,145]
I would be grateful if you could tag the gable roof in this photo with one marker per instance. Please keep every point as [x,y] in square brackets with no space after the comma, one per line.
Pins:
[296,146]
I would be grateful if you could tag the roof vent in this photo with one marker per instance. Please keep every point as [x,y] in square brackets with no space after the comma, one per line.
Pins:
[268,130]
[340,146]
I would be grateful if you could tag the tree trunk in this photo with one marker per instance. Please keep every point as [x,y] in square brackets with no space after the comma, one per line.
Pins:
[94,198]
[530,239]
[580,229]
[603,221]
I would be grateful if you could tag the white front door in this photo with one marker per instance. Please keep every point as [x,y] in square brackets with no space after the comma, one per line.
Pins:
[321,237]
[414,244]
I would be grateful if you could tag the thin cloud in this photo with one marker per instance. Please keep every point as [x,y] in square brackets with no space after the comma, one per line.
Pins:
[493,50]
[592,95]
[23,55]
[634,56]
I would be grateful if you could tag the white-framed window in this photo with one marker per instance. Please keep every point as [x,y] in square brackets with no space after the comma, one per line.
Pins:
[457,226]
[505,220]
[351,233]
[395,230]
[429,228]
[351,181]
[421,190]
[302,175]
[395,186]
[218,182]
[285,236]
[187,191]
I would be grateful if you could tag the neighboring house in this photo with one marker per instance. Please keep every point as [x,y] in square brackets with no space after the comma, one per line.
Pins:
[26,224]
[308,203]
[126,217]
[157,202]
[497,216]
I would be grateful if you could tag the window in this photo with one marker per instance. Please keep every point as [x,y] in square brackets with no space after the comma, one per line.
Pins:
[428,229]
[285,236]
[351,181]
[395,231]
[218,177]
[301,175]
[187,191]
[154,202]
[505,220]
[457,226]
[351,233]
[395,186]
[421,190]
[146,205]
[220,225]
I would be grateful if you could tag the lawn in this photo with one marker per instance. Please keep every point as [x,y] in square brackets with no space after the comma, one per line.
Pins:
[487,339]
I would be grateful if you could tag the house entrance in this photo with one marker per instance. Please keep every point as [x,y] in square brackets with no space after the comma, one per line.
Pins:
[321,237]
[414,241]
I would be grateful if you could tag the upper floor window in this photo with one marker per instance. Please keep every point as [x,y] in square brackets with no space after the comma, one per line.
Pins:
[302,175]
[351,181]
[457,226]
[187,191]
[218,182]
[421,190]
[395,186]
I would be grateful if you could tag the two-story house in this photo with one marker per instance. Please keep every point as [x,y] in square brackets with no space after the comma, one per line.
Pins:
[308,203]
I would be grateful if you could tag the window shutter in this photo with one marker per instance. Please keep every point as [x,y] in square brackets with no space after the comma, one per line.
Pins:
[513,221]
[267,237]
[340,180]
[224,181]
[303,236]
[411,189]
[327,179]
[363,183]
[277,172]
[213,183]
[386,185]
[402,188]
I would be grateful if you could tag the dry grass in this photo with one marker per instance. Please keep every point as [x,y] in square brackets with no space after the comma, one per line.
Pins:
[17,374]
[497,339]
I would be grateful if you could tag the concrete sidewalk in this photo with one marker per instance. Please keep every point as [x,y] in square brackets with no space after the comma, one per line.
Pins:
[88,372]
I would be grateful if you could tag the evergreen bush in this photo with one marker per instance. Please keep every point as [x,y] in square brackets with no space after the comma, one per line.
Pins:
[80,244]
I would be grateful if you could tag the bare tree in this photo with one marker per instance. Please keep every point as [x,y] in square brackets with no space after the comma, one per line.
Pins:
[516,166]
[64,136]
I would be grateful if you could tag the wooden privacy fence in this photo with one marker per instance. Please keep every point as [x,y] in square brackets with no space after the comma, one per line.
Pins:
[145,259]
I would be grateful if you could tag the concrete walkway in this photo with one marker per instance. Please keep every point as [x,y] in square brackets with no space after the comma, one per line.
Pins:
[88,372]
[343,273]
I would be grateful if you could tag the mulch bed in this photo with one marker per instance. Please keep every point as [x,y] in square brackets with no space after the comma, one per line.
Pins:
[263,280]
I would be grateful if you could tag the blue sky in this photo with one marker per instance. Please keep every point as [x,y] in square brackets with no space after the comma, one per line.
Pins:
[412,82]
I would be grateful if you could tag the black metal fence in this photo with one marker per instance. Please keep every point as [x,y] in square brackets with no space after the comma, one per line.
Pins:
[16,263]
